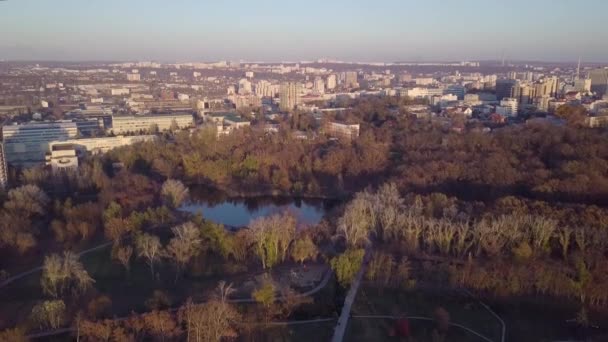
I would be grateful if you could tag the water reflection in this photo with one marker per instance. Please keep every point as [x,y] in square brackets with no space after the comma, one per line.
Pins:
[238,212]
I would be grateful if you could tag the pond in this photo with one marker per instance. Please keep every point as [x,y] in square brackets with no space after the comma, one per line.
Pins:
[238,212]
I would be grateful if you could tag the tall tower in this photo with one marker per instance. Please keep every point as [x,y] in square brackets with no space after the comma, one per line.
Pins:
[578,69]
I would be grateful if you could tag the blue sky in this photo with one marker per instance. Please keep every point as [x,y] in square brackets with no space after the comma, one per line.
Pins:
[363,30]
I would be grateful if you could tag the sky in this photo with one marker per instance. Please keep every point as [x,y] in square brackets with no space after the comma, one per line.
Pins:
[285,30]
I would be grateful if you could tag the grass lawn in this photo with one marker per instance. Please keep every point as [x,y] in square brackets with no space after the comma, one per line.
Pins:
[462,309]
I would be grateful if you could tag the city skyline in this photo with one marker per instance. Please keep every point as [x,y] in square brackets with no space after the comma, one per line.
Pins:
[278,31]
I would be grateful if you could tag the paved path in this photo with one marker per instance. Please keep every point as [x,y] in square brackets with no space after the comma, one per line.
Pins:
[319,287]
[503,330]
[350,299]
[39,268]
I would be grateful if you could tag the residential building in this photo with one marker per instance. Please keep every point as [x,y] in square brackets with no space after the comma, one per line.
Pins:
[3,169]
[289,96]
[119,91]
[27,144]
[508,107]
[319,85]
[148,123]
[133,77]
[351,79]
[342,131]
[245,87]
[583,85]
[332,82]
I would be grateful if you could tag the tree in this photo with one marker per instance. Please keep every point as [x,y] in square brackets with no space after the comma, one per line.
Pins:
[271,238]
[209,322]
[185,245]
[265,295]
[64,274]
[13,335]
[123,255]
[304,249]
[161,324]
[174,193]
[49,314]
[347,265]
[358,220]
[27,200]
[149,247]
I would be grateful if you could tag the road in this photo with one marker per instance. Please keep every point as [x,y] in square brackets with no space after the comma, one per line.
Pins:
[350,299]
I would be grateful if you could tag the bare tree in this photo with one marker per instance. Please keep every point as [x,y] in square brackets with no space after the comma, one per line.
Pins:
[185,245]
[174,193]
[357,221]
[149,247]
[62,274]
[49,314]
[27,200]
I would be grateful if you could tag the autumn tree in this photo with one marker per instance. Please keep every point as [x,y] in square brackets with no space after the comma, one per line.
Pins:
[64,274]
[358,220]
[27,200]
[185,245]
[347,265]
[271,238]
[304,249]
[123,254]
[49,314]
[148,247]
[174,193]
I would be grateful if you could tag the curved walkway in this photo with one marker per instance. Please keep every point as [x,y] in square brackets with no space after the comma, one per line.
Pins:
[319,287]
[39,268]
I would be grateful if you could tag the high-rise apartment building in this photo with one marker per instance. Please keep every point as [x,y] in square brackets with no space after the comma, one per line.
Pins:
[599,81]
[319,85]
[264,89]
[332,82]
[289,96]
[3,169]
[351,79]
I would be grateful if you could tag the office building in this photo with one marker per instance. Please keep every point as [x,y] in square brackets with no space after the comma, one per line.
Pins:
[3,169]
[27,144]
[456,89]
[62,157]
[418,92]
[504,88]
[289,96]
[599,81]
[149,123]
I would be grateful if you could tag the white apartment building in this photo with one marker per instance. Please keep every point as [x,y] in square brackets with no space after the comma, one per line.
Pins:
[508,107]
[119,91]
[3,169]
[332,82]
[134,124]
[133,77]
[28,143]
[419,92]
[103,144]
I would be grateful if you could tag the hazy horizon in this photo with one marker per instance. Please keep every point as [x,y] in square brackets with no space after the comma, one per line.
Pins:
[275,31]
